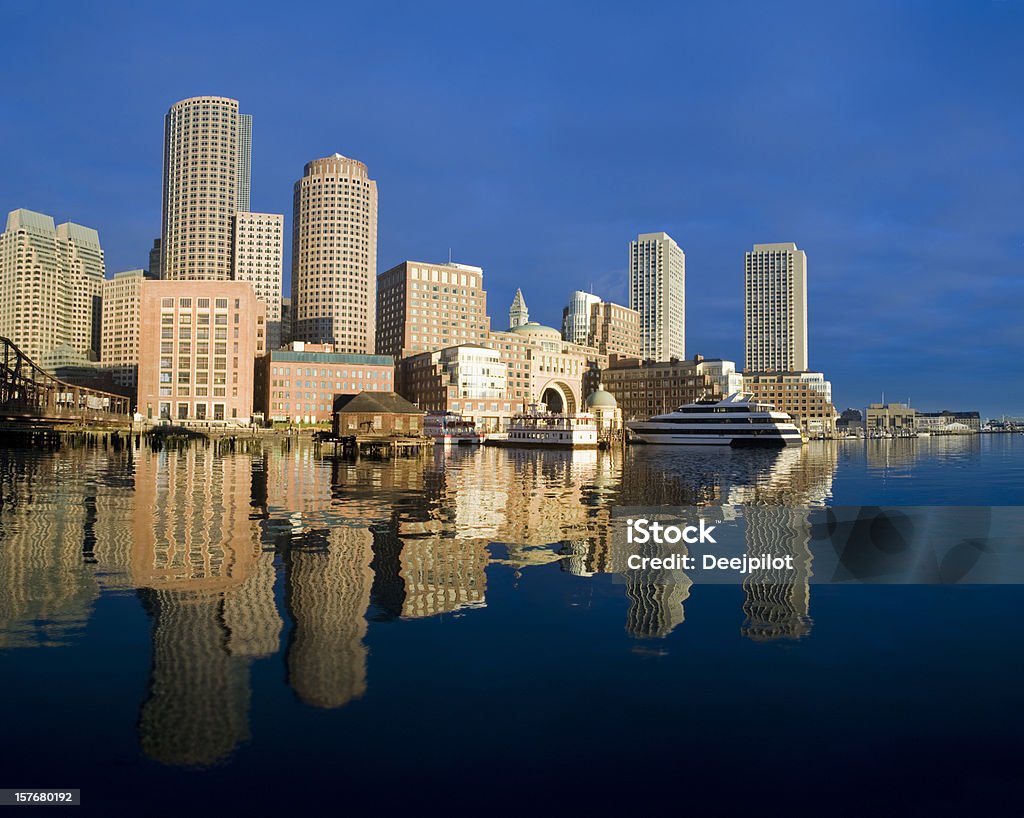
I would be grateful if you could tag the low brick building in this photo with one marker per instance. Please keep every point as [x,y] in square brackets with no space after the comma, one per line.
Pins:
[384,414]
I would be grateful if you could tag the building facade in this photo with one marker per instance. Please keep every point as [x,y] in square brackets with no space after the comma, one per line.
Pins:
[334,255]
[122,304]
[644,388]
[425,307]
[805,396]
[197,347]
[207,145]
[614,330]
[469,379]
[937,421]
[258,242]
[576,317]
[298,384]
[51,285]
[542,368]
[882,417]
[775,308]
[657,290]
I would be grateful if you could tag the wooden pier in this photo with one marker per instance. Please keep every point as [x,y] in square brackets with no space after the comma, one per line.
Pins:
[379,447]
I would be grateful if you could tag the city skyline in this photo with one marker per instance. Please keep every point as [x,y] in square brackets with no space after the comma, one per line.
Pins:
[910,249]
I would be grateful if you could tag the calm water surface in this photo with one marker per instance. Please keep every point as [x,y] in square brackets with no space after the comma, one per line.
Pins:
[180,631]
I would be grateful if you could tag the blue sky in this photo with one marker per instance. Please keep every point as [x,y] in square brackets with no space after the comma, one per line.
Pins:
[536,139]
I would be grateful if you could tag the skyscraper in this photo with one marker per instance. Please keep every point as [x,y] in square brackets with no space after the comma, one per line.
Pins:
[775,308]
[207,145]
[657,290]
[258,240]
[51,283]
[576,317]
[334,255]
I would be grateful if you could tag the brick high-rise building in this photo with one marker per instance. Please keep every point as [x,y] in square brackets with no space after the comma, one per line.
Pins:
[424,307]
[614,330]
[334,255]
[197,348]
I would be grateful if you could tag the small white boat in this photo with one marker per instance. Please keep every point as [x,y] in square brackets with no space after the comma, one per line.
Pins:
[539,428]
[451,429]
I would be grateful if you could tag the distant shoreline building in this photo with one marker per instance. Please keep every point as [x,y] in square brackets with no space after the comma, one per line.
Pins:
[334,255]
[775,308]
[657,290]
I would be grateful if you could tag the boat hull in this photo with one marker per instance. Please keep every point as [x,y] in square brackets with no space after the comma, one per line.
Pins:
[763,442]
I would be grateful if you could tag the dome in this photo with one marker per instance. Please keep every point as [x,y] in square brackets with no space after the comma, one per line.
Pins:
[538,330]
[599,399]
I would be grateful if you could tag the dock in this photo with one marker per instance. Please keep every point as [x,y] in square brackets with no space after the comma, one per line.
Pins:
[379,447]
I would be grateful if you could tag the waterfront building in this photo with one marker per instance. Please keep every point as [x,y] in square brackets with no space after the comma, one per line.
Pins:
[334,255]
[424,307]
[197,347]
[775,308]
[644,388]
[207,149]
[119,350]
[469,379]
[939,421]
[805,396]
[657,290]
[614,330]
[882,417]
[723,373]
[51,286]
[543,368]
[576,317]
[518,314]
[258,240]
[298,384]
[605,409]
[380,413]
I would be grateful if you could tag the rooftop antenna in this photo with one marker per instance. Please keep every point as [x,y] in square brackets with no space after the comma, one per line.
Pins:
[449,255]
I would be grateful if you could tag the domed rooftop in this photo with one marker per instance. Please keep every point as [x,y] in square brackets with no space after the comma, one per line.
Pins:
[538,330]
[599,399]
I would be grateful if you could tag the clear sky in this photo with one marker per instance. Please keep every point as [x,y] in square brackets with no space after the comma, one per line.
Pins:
[536,139]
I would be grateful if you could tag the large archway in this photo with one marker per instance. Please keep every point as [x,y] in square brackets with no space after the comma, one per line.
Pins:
[559,398]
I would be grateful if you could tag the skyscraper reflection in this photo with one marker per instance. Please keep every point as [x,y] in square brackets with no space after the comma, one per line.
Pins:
[327,593]
[208,587]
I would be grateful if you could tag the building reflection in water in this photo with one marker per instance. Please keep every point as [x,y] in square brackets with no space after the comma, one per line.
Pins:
[202,538]
[327,593]
[209,588]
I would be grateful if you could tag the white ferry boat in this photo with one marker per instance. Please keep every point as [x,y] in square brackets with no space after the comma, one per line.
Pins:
[539,428]
[450,428]
[737,420]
